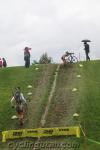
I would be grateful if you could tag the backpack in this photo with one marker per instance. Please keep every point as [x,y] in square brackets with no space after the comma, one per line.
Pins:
[17,97]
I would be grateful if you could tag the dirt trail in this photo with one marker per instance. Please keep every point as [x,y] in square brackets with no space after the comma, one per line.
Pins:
[63,104]
[43,119]
[36,104]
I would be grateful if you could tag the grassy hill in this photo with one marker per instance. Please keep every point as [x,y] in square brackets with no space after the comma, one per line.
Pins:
[85,101]
[20,76]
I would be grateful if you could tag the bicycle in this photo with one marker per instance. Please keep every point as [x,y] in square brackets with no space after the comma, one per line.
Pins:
[72,58]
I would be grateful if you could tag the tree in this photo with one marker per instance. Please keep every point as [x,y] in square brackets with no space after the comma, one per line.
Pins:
[44,59]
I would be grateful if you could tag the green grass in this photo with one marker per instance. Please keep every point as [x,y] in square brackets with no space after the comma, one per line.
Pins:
[89,101]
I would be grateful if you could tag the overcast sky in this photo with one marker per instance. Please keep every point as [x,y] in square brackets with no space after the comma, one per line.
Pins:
[51,26]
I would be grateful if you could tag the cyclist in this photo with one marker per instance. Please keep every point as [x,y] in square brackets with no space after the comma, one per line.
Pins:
[18,101]
[64,57]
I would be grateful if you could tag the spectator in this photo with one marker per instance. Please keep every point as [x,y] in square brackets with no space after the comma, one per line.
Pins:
[87,50]
[4,62]
[1,63]
[27,57]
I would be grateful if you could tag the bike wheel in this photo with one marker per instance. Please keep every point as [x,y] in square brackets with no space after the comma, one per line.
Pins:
[74,59]
[69,59]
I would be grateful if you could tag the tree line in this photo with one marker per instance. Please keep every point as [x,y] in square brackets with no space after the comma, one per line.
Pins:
[44,59]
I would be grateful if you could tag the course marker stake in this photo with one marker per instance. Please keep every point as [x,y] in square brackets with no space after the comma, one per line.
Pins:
[74,89]
[36,68]
[29,93]
[29,86]
[14,117]
[80,65]
[78,76]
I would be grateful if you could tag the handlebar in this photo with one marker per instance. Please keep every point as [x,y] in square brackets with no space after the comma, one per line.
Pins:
[70,53]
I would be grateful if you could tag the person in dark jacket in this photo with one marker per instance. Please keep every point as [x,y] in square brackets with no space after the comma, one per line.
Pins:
[1,63]
[27,57]
[4,62]
[87,50]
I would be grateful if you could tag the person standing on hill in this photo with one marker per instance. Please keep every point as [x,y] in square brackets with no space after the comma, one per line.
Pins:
[0,62]
[27,57]
[87,50]
[4,62]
